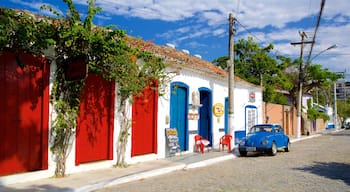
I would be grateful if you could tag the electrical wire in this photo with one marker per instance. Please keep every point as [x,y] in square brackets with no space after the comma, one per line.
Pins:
[316,29]
[238,4]
[246,29]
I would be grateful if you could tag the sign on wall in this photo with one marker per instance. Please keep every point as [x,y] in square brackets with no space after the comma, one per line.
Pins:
[218,110]
[172,140]
[252,97]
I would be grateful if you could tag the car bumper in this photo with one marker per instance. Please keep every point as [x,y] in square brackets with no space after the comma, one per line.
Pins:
[253,149]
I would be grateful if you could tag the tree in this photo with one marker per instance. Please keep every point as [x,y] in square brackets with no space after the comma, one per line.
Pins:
[109,54]
[313,113]
[254,64]
[314,78]
[105,50]
[221,62]
[343,110]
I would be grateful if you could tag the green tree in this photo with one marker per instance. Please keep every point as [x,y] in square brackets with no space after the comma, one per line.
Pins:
[313,113]
[343,110]
[105,50]
[221,62]
[314,78]
[256,65]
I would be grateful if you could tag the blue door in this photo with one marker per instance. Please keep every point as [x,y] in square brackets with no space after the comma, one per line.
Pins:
[205,114]
[179,112]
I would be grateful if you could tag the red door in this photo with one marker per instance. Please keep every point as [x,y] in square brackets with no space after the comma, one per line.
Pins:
[144,123]
[94,140]
[23,114]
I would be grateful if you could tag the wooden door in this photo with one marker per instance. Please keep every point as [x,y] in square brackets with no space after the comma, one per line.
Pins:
[144,123]
[23,114]
[94,140]
[179,112]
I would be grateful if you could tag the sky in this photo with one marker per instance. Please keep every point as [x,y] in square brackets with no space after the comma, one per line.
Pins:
[201,26]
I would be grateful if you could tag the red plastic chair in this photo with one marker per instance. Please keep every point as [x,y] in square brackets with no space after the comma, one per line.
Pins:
[200,143]
[225,140]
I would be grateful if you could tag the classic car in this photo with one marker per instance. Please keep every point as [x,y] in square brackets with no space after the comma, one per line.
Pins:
[264,138]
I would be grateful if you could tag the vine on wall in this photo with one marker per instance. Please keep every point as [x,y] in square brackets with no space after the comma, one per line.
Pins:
[108,53]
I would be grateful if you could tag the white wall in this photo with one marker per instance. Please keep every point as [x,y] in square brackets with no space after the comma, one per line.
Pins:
[195,81]
[219,93]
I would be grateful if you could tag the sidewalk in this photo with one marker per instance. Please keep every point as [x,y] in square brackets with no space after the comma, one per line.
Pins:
[97,179]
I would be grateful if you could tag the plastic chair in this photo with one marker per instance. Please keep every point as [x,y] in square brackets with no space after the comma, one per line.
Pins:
[225,140]
[200,143]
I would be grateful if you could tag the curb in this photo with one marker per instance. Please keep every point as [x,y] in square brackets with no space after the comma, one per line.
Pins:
[210,161]
[129,178]
[151,173]
[161,171]
[304,138]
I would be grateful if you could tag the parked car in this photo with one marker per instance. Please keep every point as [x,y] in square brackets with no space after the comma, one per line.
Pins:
[264,138]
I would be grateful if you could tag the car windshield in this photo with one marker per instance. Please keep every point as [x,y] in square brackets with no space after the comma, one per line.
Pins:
[260,128]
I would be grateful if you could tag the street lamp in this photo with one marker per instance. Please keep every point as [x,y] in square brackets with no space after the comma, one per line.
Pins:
[334,86]
[331,47]
[301,77]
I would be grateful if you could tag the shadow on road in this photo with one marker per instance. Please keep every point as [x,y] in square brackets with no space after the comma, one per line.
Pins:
[35,188]
[331,170]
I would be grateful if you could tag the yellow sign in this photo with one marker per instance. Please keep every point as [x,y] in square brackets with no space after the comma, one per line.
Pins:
[218,109]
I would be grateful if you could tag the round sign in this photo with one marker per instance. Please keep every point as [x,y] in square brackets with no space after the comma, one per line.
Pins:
[218,109]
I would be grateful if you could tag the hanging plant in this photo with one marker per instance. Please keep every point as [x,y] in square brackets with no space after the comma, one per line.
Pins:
[106,51]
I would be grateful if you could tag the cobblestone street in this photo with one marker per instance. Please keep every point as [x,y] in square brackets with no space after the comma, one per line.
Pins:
[317,164]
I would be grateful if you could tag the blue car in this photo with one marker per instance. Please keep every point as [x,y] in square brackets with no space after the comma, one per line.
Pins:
[264,138]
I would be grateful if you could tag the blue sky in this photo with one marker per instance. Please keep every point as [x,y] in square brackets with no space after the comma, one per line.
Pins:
[201,26]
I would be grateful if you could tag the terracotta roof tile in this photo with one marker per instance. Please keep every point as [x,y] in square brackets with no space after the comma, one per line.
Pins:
[172,57]
[181,60]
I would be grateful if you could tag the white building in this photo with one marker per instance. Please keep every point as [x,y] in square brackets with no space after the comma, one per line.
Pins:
[195,89]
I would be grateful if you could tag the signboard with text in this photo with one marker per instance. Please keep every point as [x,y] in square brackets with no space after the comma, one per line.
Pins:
[172,140]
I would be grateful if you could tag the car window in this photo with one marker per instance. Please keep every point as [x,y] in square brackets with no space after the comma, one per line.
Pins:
[260,128]
[278,129]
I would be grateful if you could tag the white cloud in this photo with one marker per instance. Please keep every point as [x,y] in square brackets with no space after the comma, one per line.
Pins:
[268,21]
[36,6]
[219,32]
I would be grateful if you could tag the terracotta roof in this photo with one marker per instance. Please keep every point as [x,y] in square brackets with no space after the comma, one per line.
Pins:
[179,59]
[174,58]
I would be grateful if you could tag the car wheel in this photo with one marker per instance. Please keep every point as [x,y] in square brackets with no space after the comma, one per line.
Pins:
[243,153]
[287,149]
[273,150]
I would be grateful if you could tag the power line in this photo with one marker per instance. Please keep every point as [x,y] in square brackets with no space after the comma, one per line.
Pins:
[246,29]
[254,36]
[238,4]
[314,35]
[316,29]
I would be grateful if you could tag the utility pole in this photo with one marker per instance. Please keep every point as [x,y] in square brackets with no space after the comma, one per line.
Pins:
[335,107]
[300,79]
[231,76]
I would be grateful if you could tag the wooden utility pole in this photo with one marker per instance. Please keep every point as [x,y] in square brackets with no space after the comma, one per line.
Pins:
[300,80]
[231,76]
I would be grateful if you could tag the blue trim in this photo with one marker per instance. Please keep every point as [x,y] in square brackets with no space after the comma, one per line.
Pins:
[185,86]
[210,127]
[245,117]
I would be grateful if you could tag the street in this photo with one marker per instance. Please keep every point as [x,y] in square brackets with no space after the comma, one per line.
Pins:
[318,164]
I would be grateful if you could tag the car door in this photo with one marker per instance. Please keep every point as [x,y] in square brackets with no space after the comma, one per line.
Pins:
[279,136]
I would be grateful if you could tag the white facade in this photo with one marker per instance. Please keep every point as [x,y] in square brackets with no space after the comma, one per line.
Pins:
[247,111]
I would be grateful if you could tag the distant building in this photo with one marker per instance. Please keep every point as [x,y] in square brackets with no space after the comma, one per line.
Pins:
[343,90]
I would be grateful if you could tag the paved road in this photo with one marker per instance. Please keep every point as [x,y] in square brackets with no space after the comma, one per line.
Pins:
[314,165]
